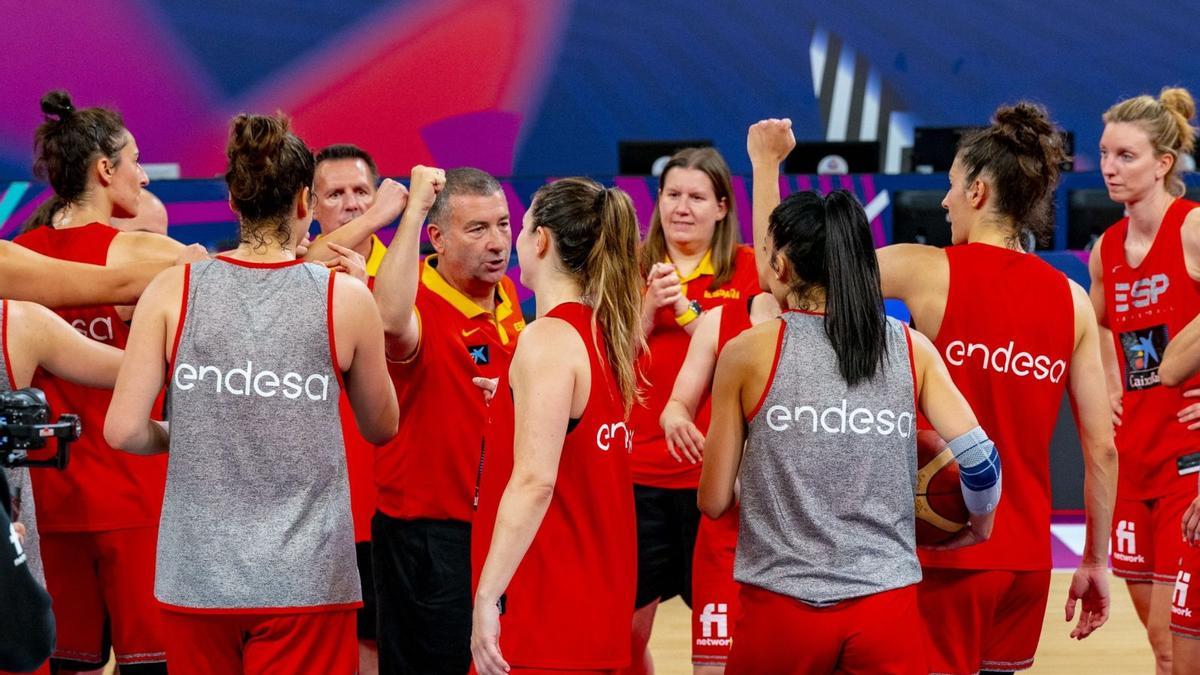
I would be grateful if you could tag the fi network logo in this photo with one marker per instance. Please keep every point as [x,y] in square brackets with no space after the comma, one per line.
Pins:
[714,620]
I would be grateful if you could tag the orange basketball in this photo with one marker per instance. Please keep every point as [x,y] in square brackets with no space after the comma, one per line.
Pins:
[941,511]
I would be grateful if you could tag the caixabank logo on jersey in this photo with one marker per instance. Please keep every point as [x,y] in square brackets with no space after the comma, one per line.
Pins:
[1143,352]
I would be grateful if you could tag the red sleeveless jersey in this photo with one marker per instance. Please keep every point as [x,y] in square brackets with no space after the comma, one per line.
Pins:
[1007,338]
[360,465]
[1145,306]
[735,318]
[101,488]
[666,350]
[570,603]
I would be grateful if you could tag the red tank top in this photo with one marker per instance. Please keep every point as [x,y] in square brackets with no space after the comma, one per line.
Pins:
[666,349]
[101,488]
[360,466]
[1145,306]
[735,318]
[1007,338]
[570,603]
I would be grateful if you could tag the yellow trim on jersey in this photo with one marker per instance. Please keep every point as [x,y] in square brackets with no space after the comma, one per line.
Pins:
[433,280]
[705,267]
[376,256]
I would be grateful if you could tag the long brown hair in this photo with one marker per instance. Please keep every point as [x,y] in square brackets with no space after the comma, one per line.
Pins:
[726,236]
[1167,121]
[596,233]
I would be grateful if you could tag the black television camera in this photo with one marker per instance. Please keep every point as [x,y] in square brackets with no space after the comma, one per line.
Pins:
[25,425]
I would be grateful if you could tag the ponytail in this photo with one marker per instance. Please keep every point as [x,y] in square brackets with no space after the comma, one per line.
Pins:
[44,214]
[614,285]
[854,318]
[828,245]
[596,233]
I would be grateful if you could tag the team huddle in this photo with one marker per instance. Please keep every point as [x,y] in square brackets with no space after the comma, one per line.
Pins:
[336,456]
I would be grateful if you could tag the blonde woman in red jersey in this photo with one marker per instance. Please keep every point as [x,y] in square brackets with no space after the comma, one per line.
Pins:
[1145,271]
[968,299]
[556,591]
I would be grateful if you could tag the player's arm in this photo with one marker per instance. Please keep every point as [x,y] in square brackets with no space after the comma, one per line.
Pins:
[128,424]
[727,427]
[1108,349]
[693,380]
[1181,360]
[544,376]
[390,200]
[951,416]
[768,143]
[358,336]
[28,275]
[1093,419]
[38,337]
[399,274]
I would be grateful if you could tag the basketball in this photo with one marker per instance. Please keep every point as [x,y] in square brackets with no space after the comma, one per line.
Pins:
[941,511]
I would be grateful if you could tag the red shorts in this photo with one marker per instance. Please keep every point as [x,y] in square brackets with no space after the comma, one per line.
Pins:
[880,633]
[714,592]
[102,585]
[313,642]
[982,619]
[1147,537]
[1185,601]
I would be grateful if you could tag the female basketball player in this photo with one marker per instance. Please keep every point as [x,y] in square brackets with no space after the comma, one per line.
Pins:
[824,399]
[256,568]
[1015,333]
[684,421]
[692,262]
[556,591]
[1145,270]
[98,517]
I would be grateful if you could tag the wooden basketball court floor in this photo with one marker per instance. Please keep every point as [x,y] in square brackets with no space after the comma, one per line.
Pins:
[1118,648]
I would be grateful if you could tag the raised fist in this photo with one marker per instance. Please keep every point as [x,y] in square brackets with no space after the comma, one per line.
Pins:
[427,182]
[770,141]
[390,200]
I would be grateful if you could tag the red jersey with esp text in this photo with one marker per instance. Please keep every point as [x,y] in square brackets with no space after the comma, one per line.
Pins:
[1145,307]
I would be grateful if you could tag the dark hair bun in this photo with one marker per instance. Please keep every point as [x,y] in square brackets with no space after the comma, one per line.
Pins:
[58,104]
[1027,129]
[268,166]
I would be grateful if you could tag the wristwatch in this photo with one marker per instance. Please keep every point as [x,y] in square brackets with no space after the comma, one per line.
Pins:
[693,312]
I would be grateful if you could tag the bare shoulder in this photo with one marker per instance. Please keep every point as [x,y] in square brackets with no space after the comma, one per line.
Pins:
[753,344]
[134,246]
[548,345]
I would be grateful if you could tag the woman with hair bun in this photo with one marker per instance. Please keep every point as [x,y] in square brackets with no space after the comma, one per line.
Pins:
[1015,334]
[256,568]
[99,516]
[1145,273]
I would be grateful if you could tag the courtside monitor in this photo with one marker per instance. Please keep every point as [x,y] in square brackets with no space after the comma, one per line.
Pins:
[647,158]
[833,158]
